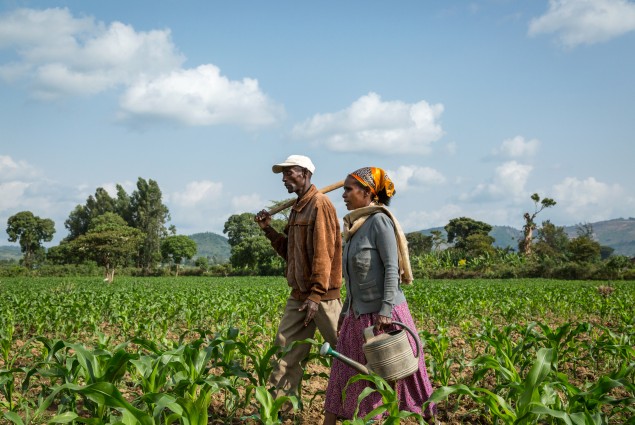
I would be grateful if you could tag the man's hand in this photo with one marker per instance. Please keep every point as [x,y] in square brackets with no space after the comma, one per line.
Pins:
[382,322]
[263,218]
[311,308]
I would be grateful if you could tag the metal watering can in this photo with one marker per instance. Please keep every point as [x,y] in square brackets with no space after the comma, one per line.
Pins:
[389,355]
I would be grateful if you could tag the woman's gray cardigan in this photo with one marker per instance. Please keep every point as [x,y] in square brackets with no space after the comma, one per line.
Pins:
[370,263]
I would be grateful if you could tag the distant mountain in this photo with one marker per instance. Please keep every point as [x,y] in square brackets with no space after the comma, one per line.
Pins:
[618,233]
[9,253]
[505,236]
[213,246]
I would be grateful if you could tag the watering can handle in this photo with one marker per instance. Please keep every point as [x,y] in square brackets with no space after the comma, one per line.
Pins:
[370,334]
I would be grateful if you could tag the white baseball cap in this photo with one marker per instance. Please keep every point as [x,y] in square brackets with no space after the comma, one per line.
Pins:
[293,160]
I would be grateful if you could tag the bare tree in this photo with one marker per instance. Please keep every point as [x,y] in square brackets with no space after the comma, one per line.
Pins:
[530,225]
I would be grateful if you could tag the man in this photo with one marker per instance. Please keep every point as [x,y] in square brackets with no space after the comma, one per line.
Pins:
[312,247]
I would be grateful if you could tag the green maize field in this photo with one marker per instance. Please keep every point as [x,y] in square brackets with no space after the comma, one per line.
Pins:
[198,351]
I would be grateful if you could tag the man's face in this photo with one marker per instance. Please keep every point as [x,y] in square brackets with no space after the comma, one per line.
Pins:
[294,178]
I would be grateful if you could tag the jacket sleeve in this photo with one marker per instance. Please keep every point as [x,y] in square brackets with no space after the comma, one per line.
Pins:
[279,241]
[324,234]
[386,244]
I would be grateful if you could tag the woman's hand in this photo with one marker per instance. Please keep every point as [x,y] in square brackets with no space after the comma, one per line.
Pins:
[339,324]
[382,322]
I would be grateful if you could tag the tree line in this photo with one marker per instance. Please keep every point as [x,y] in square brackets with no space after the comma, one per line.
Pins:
[130,230]
[465,250]
[113,232]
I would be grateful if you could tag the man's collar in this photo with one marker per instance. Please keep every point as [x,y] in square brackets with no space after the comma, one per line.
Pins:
[302,201]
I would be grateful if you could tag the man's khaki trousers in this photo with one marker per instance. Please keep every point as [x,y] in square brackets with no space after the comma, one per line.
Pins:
[287,372]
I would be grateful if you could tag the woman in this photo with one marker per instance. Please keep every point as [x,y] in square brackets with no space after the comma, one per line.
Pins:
[375,262]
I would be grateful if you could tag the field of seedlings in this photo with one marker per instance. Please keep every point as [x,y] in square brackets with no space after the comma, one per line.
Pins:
[198,351]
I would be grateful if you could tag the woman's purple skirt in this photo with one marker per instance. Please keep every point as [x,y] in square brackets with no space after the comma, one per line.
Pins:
[412,391]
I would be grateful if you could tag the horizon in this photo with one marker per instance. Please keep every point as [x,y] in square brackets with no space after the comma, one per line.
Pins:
[569,227]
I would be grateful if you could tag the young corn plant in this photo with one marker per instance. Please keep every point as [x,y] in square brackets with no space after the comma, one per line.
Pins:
[598,403]
[388,410]
[270,408]
[437,347]
[522,404]
[261,361]
[614,348]
[508,355]
[106,398]
[6,340]
[563,340]
[101,365]
[7,387]
[168,408]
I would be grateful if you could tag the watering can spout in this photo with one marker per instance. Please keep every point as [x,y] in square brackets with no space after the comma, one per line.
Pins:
[326,350]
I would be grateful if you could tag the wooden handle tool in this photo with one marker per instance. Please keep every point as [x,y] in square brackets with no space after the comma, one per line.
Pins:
[290,202]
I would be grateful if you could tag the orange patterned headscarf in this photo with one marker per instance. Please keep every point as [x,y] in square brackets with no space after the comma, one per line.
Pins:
[375,179]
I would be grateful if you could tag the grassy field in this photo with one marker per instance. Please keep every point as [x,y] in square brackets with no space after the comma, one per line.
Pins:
[198,350]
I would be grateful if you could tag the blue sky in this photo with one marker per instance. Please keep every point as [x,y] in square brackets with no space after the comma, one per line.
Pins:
[470,106]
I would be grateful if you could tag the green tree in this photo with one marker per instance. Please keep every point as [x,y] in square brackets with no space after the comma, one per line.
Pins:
[459,229]
[478,244]
[524,245]
[64,253]
[110,242]
[250,250]
[30,231]
[418,243]
[583,249]
[239,227]
[551,241]
[149,215]
[606,251]
[176,248]
[617,264]
[202,263]
[80,218]
[123,205]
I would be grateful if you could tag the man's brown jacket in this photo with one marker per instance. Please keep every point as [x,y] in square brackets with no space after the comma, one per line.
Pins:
[312,247]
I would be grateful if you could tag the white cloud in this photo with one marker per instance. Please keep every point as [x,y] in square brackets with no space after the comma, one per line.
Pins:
[578,22]
[412,175]
[23,188]
[434,217]
[200,96]
[12,170]
[508,183]
[44,198]
[197,208]
[62,55]
[58,55]
[370,124]
[11,194]
[517,147]
[197,193]
[591,200]
[252,203]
